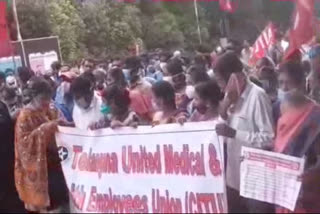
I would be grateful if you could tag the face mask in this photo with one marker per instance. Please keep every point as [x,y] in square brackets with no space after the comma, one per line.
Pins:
[82,103]
[202,109]
[282,94]
[126,73]
[105,109]
[265,84]
[190,91]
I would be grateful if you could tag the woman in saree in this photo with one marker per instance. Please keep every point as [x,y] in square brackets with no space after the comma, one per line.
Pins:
[298,135]
[165,104]
[38,175]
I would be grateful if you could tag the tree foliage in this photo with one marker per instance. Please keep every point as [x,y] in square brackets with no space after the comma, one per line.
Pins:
[100,28]
[66,22]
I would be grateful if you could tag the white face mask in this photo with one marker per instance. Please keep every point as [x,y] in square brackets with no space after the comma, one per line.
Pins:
[282,94]
[190,91]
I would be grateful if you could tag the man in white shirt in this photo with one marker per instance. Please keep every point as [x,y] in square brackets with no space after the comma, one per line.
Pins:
[250,124]
[87,109]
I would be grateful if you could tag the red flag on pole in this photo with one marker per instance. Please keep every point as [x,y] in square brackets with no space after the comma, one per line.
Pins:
[303,29]
[5,45]
[262,44]
[228,5]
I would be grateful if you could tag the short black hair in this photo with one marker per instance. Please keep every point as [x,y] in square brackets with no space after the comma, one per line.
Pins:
[198,74]
[174,67]
[89,75]
[56,66]
[165,91]
[120,96]
[209,91]
[133,62]
[81,85]
[294,70]
[39,86]
[2,76]
[265,62]
[118,75]
[8,93]
[227,64]
[24,74]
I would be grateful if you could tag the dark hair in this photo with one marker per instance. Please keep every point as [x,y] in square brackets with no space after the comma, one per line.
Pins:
[165,91]
[89,76]
[88,60]
[227,64]
[133,63]
[39,86]
[198,74]
[209,91]
[265,62]
[2,76]
[81,85]
[120,96]
[200,60]
[174,67]
[306,66]
[56,66]
[294,70]
[8,93]
[24,74]
[119,77]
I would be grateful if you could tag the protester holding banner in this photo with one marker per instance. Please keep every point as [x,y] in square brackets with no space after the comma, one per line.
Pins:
[249,123]
[300,123]
[87,108]
[38,176]
[178,80]
[206,102]
[165,105]
[140,89]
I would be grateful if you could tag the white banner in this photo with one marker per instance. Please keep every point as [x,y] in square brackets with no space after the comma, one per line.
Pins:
[271,177]
[165,169]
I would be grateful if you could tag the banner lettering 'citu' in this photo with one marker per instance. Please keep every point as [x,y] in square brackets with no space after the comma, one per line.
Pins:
[165,169]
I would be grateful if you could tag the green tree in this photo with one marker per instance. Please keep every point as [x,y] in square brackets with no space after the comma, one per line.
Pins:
[33,18]
[161,31]
[66,23]
[111,27]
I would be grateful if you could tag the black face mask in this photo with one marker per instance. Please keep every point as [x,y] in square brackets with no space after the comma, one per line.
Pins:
[202,109]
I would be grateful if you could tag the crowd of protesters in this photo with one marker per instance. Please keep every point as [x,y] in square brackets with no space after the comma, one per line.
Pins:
[272,105]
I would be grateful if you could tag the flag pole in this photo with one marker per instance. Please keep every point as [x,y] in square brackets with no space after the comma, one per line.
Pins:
[19,32]
[197,17]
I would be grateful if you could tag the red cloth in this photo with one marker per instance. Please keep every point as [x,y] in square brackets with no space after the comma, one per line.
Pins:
[263,43]
[237,83]
[228,5]
[290,124]
[5,45]
[303,29]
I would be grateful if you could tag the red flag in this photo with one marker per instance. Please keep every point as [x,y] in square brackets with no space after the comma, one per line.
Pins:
[303,29]
[5,45]
[228,5]
[262,44]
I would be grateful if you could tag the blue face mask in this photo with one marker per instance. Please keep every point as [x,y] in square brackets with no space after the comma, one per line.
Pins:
[105,109]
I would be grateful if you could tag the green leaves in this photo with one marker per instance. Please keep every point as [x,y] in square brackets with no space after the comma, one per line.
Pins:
[107,28]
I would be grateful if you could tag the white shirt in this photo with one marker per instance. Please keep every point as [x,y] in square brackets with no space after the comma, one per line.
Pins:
[252,120]
[84,118]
